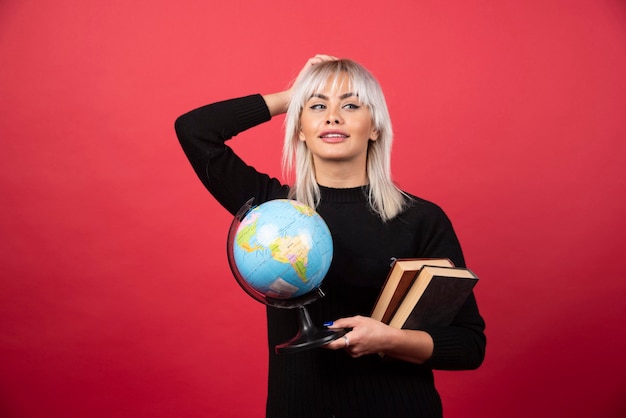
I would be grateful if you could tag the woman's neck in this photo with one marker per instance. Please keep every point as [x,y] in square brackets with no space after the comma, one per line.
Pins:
[340,176]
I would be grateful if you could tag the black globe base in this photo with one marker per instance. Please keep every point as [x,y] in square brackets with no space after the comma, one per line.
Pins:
[309,336]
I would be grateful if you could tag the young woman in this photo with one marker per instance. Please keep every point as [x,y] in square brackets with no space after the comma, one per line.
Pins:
[337,148]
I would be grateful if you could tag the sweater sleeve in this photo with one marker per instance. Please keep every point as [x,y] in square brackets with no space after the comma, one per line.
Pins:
[203,133]
[460,346]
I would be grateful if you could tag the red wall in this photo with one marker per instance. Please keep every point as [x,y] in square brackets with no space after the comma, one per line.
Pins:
[115,294]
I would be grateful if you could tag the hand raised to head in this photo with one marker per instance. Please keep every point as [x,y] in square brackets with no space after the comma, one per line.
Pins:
[278,103]
[317,59]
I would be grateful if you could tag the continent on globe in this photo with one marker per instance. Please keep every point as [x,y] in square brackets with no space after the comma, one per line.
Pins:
[247,231]
[292,250]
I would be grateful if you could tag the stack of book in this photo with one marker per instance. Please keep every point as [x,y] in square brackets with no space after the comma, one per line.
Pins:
[423,292]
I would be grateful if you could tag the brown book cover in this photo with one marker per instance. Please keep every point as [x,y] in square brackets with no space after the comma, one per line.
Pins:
[435,297]
[399,279]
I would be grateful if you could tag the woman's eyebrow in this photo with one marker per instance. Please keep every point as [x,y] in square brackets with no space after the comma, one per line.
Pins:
[324,97]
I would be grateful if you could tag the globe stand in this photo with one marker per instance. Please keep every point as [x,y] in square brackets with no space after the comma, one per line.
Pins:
[308,336]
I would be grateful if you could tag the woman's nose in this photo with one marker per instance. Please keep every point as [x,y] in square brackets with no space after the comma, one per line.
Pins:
[333,117]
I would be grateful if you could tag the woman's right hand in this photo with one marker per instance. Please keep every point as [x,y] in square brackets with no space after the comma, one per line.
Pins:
[279,102]
[317,59]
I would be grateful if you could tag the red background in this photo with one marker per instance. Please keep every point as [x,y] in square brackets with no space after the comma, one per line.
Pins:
[115,295]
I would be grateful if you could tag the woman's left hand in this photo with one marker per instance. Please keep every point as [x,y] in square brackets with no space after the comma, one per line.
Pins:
[367,336]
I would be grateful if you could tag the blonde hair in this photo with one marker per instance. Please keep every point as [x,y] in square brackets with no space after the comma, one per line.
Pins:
[385,198]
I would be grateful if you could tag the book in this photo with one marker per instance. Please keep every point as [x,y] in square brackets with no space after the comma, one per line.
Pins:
[401,275]
[435,297]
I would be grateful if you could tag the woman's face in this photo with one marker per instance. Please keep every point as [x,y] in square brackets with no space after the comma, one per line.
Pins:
[336,126]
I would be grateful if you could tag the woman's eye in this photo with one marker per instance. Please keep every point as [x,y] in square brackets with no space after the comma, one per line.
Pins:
[352,106]
[317,106]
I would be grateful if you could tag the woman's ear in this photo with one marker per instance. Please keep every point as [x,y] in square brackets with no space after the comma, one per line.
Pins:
[301,136]
[374,134]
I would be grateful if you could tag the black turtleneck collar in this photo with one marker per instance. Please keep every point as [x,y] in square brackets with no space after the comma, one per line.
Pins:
[352,194]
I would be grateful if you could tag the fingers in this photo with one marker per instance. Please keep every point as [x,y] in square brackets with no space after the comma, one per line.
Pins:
[344,342]
[364,335]
[350,340]
[351,345]
[317,59]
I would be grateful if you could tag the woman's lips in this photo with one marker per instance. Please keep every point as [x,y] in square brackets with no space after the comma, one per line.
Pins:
[333,136]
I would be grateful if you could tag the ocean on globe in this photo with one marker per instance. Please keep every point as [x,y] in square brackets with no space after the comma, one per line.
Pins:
[282,249]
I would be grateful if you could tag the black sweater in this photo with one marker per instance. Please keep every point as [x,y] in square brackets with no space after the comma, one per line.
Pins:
[320,382]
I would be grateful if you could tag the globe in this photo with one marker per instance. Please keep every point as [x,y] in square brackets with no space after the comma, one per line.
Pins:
[280,249]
